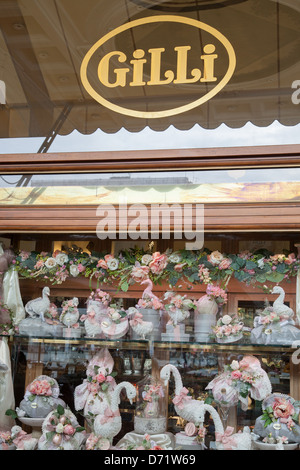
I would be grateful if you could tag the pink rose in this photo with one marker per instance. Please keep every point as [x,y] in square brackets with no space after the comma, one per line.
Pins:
[102,264]
[69,430]
[290,259]
[140,273]
[282,408]
[225,263]
[159,262]
[236,374]
[179,267]
[100,378]
[80,268]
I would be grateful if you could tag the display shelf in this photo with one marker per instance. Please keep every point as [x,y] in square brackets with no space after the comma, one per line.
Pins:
[238,347]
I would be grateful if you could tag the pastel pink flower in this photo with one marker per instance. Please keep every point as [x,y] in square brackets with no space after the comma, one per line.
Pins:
[282,408]
[236,374]
[81,268]
[225,263]
[159,262]
[100,378]
[69,430]
[140,273]
[179,267]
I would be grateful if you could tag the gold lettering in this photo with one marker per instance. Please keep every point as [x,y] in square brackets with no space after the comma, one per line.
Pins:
[103,70]
[138,68]
[155,74]
[209,63]
[182,66]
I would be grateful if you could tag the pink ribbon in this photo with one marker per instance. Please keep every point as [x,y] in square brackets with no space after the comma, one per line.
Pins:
[226,439]
[180,399]
[22,437]
[109,415]
[136,319]
[90,316]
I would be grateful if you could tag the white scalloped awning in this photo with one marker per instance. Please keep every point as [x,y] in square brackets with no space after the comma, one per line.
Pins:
[42,45]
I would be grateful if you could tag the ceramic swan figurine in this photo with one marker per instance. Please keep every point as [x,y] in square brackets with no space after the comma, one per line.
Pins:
[225,439]
[38,307]
[148,290]
[278,306]
[186,407]
[109,424]
[93,318]
[140,326]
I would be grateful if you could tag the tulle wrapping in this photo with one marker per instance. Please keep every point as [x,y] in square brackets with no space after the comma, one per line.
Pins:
[284,332]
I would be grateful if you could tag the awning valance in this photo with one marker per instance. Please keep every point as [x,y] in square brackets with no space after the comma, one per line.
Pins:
[151,67]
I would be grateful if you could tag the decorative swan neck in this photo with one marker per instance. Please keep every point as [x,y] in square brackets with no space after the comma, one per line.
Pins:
[165,375]
[215,416]
[116,399]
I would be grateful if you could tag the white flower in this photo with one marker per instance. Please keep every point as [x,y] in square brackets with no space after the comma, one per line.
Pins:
[74,271]
[215,257]
[112,264]
[59,428]
[175,257]
[50,263]
[146,259]
[260,263]
[114,315]
[226,319]
[235,365]
[61,259]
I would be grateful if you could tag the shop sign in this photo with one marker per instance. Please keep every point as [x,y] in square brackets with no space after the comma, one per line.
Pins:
[118,69]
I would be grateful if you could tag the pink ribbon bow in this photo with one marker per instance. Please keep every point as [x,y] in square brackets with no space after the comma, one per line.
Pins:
[180,399]
[136,319]
[226,439]
[109,415]
[90,316]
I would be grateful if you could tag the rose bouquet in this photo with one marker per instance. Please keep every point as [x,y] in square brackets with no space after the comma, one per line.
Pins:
[228,329]
[41,396]
[94,442]
[280,418]
[244,378]
[61,431]
[147,443]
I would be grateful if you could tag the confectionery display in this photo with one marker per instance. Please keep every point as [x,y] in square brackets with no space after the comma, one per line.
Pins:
[111,375]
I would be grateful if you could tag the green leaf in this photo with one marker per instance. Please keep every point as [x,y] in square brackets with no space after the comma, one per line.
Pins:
[124,286]
[274,276]
[11,413]
[250,265]
[60,410]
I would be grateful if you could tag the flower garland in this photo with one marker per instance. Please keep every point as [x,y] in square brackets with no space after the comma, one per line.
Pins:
[179,267]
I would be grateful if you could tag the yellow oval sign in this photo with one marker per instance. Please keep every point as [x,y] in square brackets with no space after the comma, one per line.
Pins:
[203,75]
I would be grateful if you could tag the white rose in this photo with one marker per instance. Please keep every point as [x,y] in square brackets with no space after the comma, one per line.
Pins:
[215,257]
[115,316]
[175,257]
[59,428]
[62,259]
[146,259]
[113,264]
[226,319]
[74,271]
[235,365]
[20,413]
[50,263]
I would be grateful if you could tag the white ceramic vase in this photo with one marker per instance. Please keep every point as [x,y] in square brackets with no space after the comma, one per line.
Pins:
[205,318]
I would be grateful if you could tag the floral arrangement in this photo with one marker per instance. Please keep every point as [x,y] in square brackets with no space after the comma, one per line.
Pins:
[268,317]
[228,326]
[146,444]
[240,380]
[269,439]
[101,296]
[6,440]
[177,301]
[281,411]
[216,293]
[9,327]
[94,442]
[151,394]
[100,380]
[69,307]
[150,302]
[61,427]
[184,266]
[116,314]
[39,387]
[52,315]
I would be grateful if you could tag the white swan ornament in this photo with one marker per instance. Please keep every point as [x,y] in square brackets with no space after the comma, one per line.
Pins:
[109,424]
[38,307]
[93,318]
[226,439]
[140,326]
[278,306]
[185,406]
